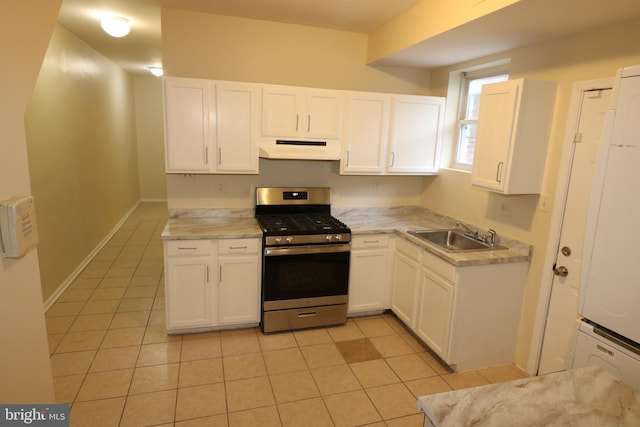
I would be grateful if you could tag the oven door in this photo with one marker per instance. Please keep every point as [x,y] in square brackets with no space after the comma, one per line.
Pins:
[319,272]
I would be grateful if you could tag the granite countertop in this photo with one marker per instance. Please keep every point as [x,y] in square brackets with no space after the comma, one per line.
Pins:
[241,223]
[583,397]
[211,224]
[402,219]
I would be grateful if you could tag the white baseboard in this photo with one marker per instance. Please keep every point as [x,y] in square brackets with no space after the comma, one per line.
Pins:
[69,280]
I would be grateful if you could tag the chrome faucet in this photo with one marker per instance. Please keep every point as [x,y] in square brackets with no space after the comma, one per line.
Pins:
[490,237]
[469,231]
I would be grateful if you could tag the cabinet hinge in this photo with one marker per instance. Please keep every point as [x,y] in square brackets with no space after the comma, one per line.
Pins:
[577,138]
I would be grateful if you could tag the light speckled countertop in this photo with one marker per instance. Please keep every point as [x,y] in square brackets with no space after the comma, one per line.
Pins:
[211,224]
[240,223]
[402,219]
[584,397]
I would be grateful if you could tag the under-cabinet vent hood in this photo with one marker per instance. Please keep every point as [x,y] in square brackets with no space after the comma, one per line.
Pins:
[300,150]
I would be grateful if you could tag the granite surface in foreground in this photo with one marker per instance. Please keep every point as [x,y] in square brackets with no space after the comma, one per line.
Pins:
[584,397]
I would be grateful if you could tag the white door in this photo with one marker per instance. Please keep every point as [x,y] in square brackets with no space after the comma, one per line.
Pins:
[494,136]
[237,115]
[239,290]
[415,134]
[561,325]
[366,131]
[187,128]
[323,114]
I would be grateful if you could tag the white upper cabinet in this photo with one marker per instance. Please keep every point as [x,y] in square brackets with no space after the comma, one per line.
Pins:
[290,112]
[188,137]
[392,134]
[211,127]
[415,134]
[513,135]
[366,133]
[237,118]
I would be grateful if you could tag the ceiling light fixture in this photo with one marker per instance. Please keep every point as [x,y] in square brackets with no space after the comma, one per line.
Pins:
[115,26]
[156,71]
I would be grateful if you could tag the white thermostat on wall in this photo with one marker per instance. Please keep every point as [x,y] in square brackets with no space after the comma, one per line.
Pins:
[18,227]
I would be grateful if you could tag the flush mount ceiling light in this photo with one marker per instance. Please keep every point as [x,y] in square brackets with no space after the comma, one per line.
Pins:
[115,26]
[156,71]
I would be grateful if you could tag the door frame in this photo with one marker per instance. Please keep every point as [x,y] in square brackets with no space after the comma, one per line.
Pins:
[557,216]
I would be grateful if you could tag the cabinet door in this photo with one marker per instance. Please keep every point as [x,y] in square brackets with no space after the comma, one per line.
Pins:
[322,117]
[434,317]
[187,125]
[405,286]
[239,290]
[281,111]
[368,278]
[494,134]
[416,134]
[237,115]
[189,292]
[366,133]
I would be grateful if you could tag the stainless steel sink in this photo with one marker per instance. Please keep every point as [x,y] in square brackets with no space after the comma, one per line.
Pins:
[454,240]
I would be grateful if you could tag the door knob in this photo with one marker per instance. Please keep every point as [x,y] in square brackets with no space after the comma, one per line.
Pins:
[561,271]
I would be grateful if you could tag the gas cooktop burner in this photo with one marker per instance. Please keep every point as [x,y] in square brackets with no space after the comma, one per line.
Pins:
[298,216]
[300,223]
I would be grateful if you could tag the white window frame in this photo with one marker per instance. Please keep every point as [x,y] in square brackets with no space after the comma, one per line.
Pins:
[456,105]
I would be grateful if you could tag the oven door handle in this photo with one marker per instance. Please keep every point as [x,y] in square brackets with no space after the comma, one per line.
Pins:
[306,250]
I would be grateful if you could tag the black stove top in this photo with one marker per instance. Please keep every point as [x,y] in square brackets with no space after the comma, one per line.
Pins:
[298,216]
[312,223]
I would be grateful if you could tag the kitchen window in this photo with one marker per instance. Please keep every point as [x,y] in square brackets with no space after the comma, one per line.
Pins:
[471,86]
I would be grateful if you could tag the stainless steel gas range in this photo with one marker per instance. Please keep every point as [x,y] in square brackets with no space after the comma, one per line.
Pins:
[306,256]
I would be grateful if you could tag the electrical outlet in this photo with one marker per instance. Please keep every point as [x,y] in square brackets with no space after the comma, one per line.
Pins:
[505,209]
[376,187]
[545,203]
[220,187]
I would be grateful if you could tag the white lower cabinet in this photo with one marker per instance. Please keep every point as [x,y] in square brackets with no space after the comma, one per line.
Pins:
[406,273]
[189,265]
[434,319]
[211,284]
[239,281]
[369,274]
[468,315]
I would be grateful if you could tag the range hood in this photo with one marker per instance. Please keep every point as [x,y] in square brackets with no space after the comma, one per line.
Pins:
[300,150]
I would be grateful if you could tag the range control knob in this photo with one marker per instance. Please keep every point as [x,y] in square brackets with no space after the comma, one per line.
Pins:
[338,237]
[328,237]
[288,239]
[278,240]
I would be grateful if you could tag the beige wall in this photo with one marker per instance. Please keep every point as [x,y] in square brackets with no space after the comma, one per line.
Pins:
[209,46]
[427,19]
[25,369]
[588,55]
[227,48]
[150,137]
[82,151]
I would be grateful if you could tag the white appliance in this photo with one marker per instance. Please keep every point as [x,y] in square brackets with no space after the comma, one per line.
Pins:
[610,286]
[596,346]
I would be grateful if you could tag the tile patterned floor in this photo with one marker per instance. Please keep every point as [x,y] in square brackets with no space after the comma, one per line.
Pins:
[113,362]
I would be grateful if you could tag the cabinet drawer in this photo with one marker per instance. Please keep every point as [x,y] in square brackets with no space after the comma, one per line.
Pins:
[438,266]
[370,241]
[189,247]
[408,249]
[238,246]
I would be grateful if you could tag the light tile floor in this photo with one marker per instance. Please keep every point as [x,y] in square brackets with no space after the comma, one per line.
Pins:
[114,363]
